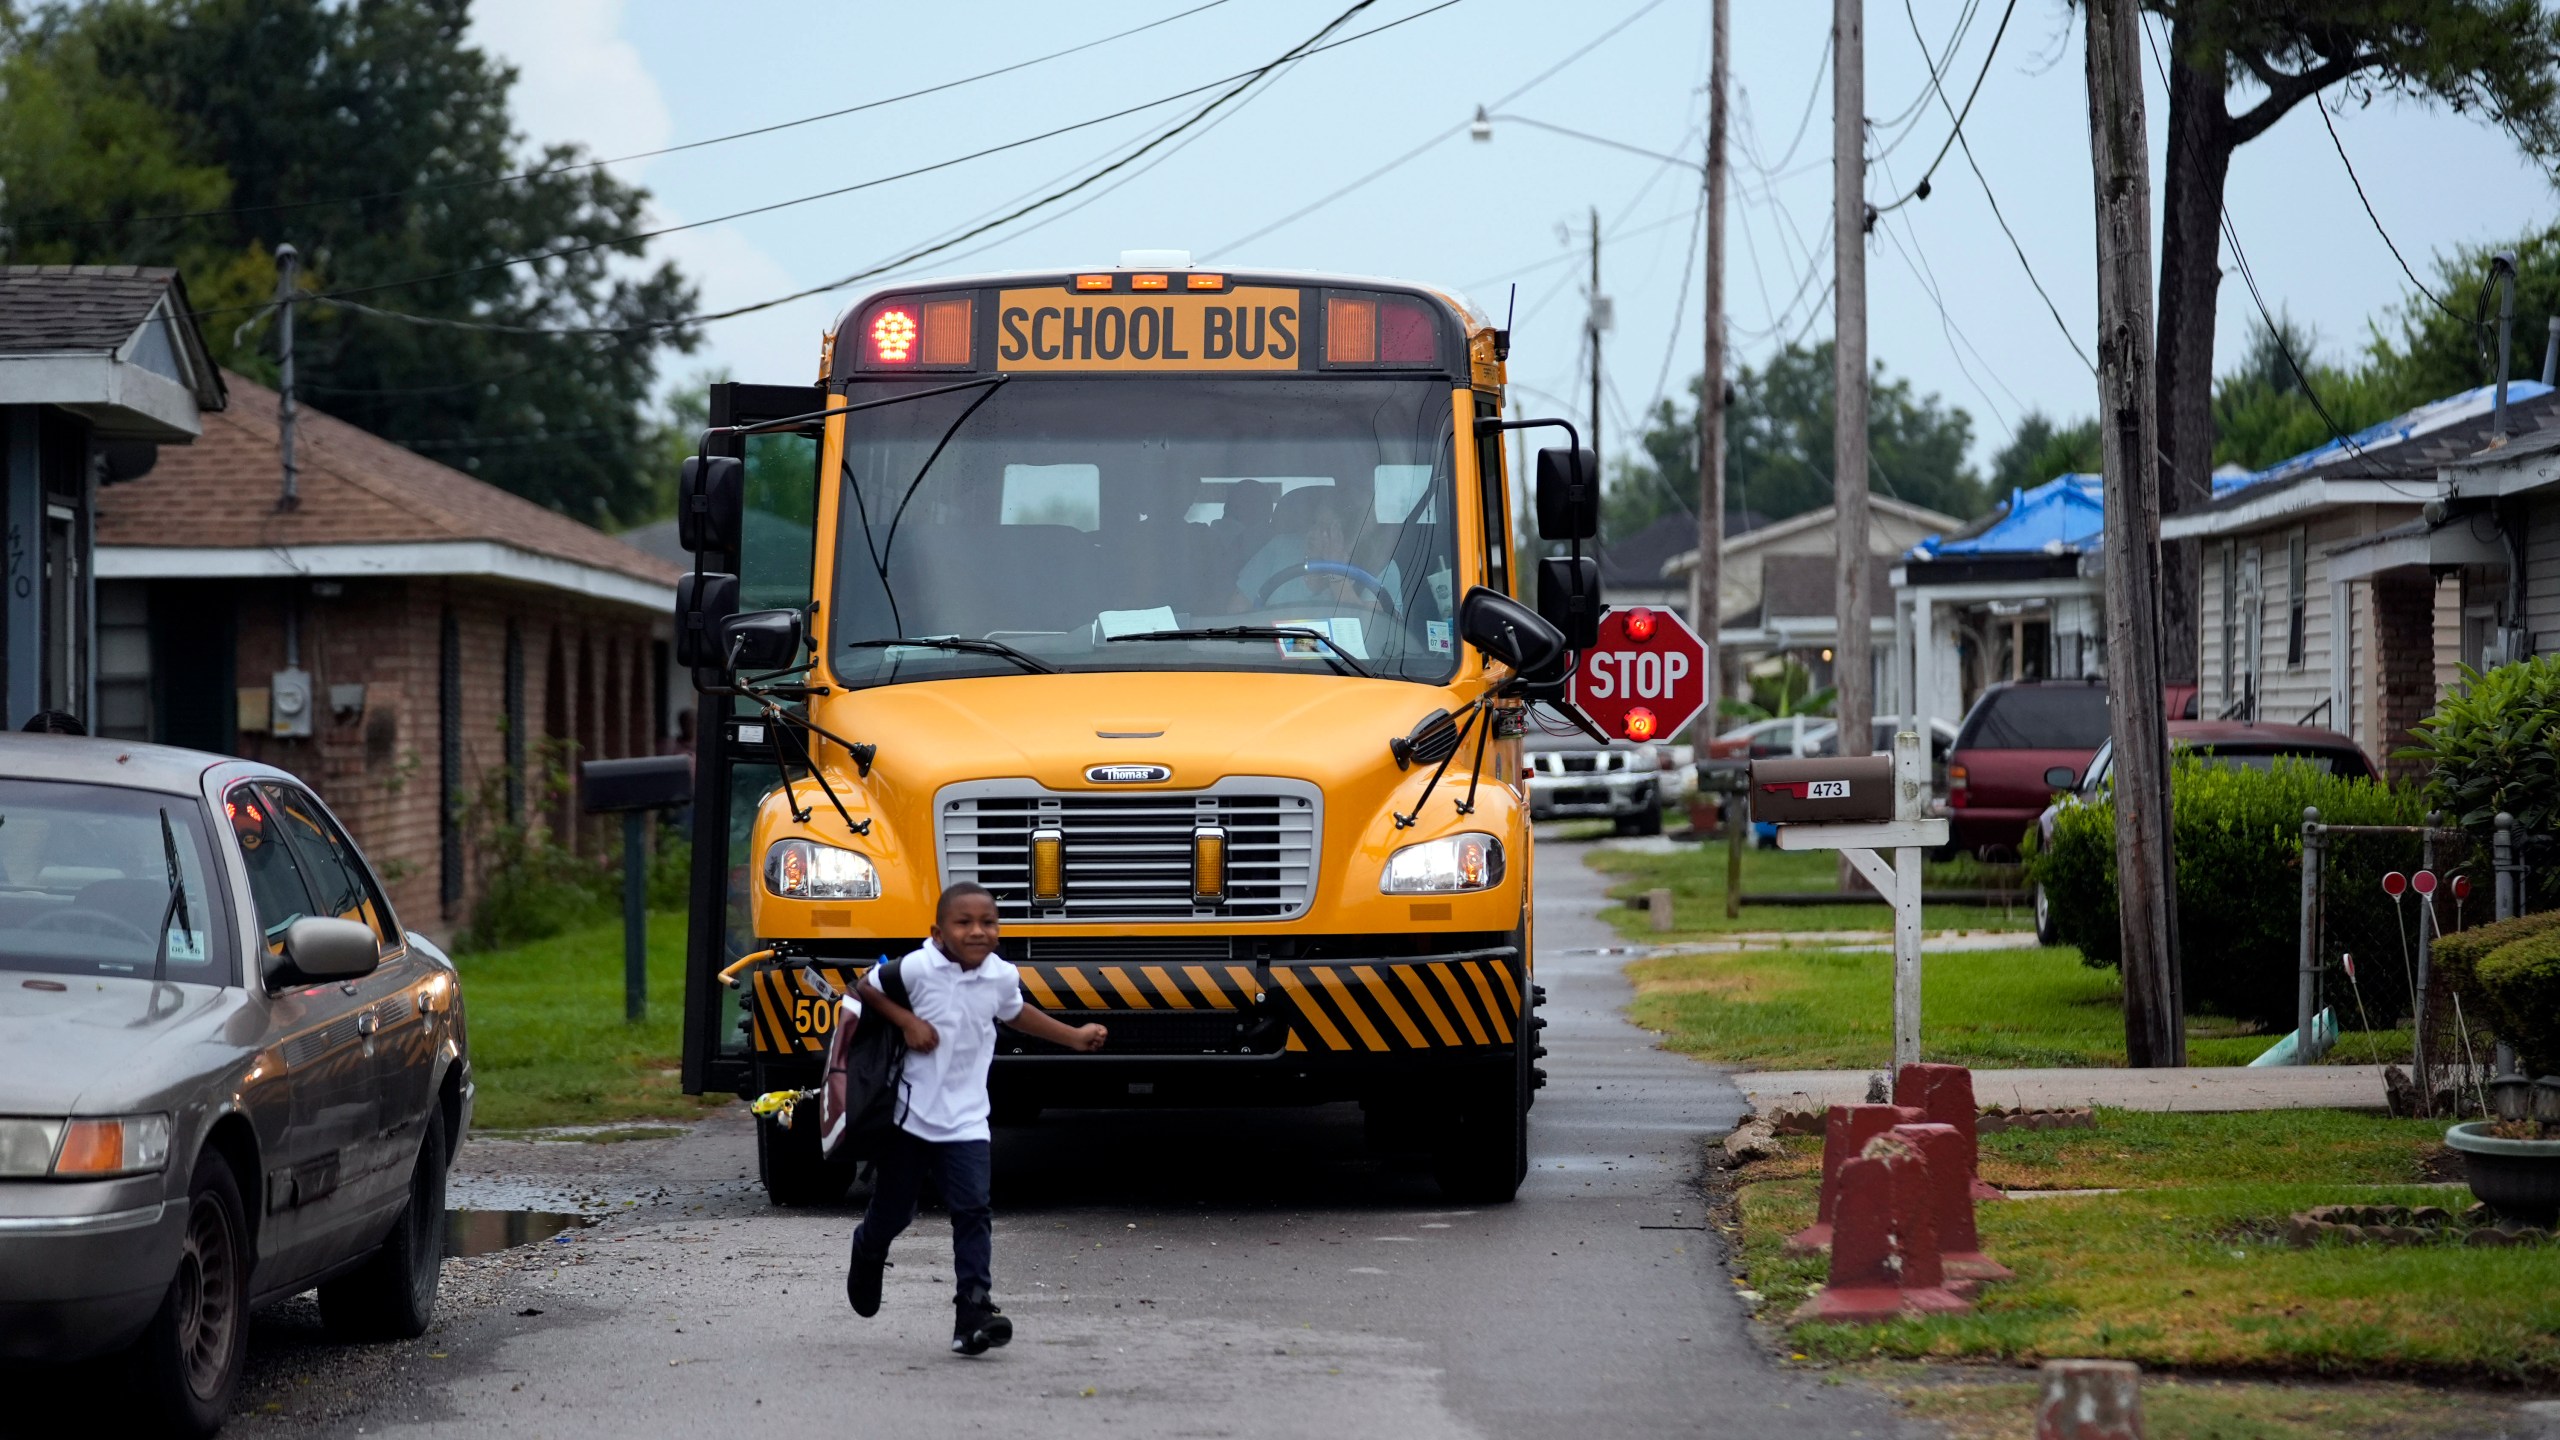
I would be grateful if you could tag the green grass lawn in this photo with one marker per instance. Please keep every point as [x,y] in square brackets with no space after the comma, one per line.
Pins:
[549,1045]
[1809,1009]
[2207,1409]
[1695,877]
[2190,1270]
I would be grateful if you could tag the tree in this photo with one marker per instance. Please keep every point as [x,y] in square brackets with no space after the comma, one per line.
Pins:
[2262,412]
[1778,440]
[2435,354]
[378,143]
[2500,58]
[2042,450]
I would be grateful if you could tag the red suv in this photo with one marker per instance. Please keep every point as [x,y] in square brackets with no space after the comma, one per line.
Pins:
[1996,784]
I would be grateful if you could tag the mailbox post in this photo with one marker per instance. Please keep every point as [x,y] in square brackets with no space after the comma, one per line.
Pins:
[634,788]
[1859,805]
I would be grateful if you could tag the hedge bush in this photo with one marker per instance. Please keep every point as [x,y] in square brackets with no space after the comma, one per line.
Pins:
[2511,971]
[2494,744]
[2237,837]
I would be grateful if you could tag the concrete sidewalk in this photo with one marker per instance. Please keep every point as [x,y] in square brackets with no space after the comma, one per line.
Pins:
[2313,1087]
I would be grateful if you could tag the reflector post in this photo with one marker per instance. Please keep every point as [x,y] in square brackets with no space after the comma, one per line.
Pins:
[1350,331]
[1048,867]
[1208,865]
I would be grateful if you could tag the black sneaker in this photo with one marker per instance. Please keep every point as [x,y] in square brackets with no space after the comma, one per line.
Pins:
[978,1325]
[862,1282]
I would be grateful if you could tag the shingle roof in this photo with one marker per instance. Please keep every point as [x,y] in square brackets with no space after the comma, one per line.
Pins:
[1799,586]
[2412,446]
[76,307]
[355,488]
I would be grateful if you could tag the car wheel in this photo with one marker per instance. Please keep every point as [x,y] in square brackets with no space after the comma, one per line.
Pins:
[2046,934]
[188,1361]
[1648,821]
[393,1295]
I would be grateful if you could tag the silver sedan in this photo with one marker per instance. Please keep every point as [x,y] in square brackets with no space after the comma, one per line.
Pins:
[227,1075]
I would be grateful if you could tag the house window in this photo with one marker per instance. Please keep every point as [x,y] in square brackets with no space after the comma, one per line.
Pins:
[2297,597]
[2230,622]
[124,660]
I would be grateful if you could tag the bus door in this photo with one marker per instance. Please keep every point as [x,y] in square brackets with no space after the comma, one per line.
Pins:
[734,758]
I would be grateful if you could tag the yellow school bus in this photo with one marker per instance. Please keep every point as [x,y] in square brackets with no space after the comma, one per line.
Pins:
[1176,607]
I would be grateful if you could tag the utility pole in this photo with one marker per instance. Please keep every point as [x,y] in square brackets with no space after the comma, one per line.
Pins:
[288,262]
[1599,321]
[1852,670]
[2154,1013]
[1707,580]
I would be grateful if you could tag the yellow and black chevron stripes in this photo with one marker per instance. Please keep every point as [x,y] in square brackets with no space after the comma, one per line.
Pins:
[788,1016]
[1216,986]
[1381,1006]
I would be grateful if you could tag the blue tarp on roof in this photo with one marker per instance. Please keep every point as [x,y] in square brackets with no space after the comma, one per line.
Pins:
[2427,418]
[2060,516]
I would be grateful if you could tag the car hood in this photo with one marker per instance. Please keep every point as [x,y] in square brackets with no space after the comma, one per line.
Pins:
[101,1044]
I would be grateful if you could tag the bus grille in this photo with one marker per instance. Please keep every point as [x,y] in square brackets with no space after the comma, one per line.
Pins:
[1128,855]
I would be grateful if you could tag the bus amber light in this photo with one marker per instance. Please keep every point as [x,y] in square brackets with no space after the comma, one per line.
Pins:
[1048,867]
[1207,282]
[1350,331]
[893,337]
[1093,282]
[946,332]
[1640,724]
[1149,282]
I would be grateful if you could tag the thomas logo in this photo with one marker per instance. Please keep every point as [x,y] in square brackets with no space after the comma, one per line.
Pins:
[1128,774]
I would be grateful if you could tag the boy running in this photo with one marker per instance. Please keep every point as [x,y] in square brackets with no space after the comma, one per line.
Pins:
[958,991]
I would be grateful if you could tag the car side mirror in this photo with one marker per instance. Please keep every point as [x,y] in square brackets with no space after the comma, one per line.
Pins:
[704,603]
[711,502]
[1568,494]
[760,640]
[1510,632]
[318,947]
[2061,777]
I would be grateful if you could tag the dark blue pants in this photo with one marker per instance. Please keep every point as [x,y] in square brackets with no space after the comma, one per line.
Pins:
[964,1170]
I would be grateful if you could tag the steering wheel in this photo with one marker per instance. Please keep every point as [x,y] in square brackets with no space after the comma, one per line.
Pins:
[91,922]
[1352,573]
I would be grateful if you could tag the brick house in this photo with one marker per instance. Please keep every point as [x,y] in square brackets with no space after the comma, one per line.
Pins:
[400,635]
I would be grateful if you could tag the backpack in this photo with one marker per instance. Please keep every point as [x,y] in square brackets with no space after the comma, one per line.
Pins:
[865,1083]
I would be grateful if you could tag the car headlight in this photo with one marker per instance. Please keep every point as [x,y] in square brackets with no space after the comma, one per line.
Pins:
[1472,861]
[806,870]
[89,1149]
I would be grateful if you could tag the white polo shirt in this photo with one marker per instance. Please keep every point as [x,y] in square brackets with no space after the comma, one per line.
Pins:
[946,1087]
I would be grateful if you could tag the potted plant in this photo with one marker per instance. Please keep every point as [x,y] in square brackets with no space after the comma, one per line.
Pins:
[2513,967]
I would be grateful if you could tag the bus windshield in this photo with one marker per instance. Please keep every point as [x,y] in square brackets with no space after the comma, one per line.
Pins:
[1058,517]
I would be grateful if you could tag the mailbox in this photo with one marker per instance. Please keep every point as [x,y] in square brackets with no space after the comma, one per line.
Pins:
[1836,791]
[650,782]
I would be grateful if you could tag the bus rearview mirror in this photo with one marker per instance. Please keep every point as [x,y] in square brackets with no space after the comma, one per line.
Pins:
[1569,598]
[761,640]
[1568,494]
[711,499]
[1509,632]
[703,604]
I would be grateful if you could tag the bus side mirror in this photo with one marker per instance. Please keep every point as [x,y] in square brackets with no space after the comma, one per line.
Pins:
[711,501]
[1568,494]
[703,604]
[1569,598]
[1510,632]
[760,640]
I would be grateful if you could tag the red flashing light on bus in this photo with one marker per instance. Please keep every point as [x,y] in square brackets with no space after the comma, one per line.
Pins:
[1640,724]
[1640,624]
[893,336]
[930,332]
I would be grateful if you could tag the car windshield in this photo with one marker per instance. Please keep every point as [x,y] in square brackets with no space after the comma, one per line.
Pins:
[84,882]
[2037,717]
[1053,515]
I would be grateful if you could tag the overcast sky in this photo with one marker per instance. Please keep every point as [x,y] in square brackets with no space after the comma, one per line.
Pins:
[1949,304]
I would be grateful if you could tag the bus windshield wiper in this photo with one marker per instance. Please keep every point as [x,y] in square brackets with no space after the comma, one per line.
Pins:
[1340,659]
[962,644]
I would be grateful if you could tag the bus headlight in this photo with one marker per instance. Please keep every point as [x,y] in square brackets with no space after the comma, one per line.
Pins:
[806,870]
[1472,861]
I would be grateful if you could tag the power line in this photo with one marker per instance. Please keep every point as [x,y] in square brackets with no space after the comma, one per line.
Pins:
[1935,66]
[442,186]
[1299,51]
[2358,182]
[1921,189]
[1410,155]
[1248,77]
[1820,69]
[2015,248]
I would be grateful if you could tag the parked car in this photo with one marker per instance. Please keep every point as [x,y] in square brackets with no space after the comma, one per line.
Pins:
[1572,778]
[2015,733]
[2229,744]
[227,1075]
[1764,739]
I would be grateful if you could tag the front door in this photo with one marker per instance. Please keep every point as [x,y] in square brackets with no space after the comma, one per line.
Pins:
[318,1030]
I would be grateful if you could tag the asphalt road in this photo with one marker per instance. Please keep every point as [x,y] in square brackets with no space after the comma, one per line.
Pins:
[1170,1273]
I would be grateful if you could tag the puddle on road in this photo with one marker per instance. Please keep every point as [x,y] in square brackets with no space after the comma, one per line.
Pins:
[479,1232]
